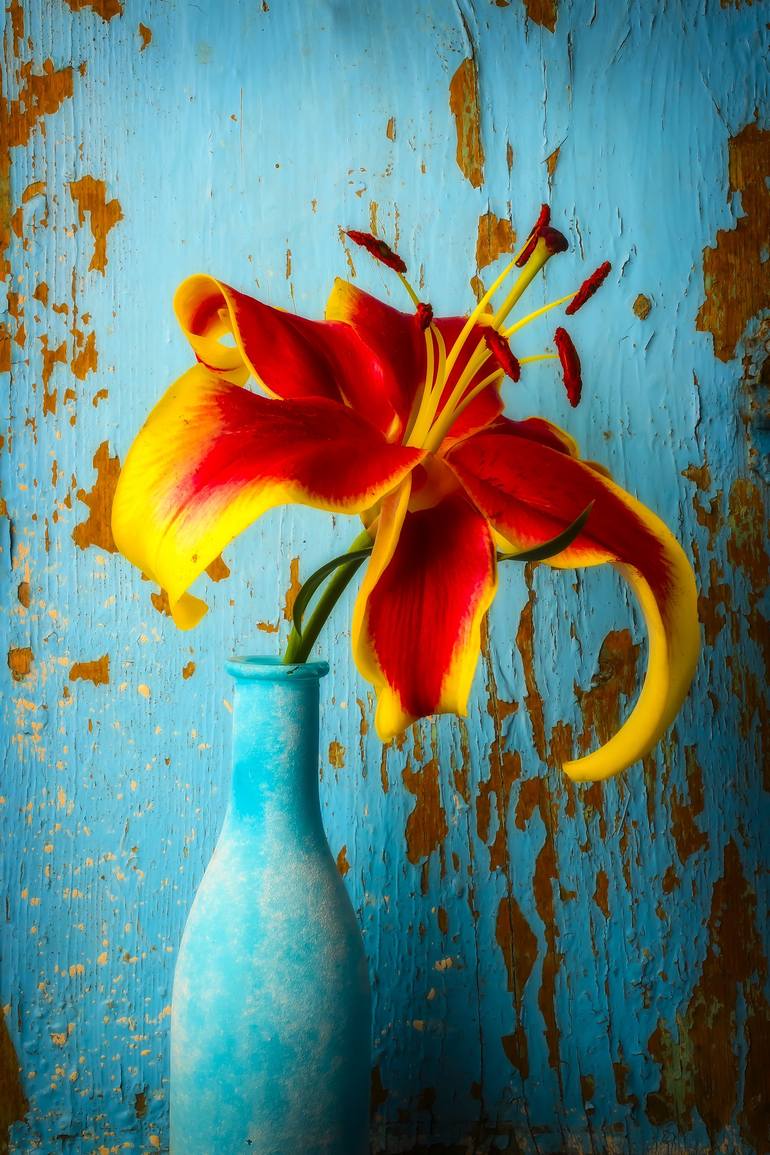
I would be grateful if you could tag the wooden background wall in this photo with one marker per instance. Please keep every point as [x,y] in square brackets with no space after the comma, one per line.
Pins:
[555,969]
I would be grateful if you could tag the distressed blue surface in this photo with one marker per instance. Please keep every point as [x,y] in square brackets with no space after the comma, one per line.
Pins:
[237,135]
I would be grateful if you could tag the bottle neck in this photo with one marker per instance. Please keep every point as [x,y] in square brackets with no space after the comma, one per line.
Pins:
[275,749]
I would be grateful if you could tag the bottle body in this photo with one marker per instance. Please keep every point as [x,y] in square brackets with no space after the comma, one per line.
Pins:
[270,1035]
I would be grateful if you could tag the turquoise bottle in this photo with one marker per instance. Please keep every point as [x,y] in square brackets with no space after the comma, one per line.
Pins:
[270,1024]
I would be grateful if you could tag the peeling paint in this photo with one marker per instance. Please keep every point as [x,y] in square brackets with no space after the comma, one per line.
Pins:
[426,826]
[104,8]
[736,272]
[518,943]
[336,755]
[90,196]
[86,359]
[542,12]
[495,236]
[41,94]
[295,585]
[96,671]
[614,679]
[13,1102]
[464,106]
[699,1064]
[525,642]
[96,530]
[747,543]
[642,306]
[20,660]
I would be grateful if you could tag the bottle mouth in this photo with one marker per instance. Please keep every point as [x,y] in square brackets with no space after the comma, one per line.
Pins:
[259,669]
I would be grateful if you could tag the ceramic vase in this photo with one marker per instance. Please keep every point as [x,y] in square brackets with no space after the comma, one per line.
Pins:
[270,1024]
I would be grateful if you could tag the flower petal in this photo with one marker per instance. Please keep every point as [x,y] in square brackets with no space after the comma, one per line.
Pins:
[290,356]
[212,457]
[530,492]
[417,621]
[395,338]
[398,343]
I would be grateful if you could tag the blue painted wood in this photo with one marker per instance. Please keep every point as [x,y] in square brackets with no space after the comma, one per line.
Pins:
[554,968]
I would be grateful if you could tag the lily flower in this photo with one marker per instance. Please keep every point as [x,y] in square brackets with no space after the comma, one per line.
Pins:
[397,417]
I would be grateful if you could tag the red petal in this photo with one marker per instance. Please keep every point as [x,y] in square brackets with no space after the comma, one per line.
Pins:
[540,430]
[290,356]
[393,337]
[418,616]
[212,457]
[398,345]
[530,493]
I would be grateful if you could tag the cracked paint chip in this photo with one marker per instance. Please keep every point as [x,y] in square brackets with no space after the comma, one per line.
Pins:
[104,8]
[543,12]
[97,671]
[464,106]
[96,529]
[736,272]
[90,196]
[495,237]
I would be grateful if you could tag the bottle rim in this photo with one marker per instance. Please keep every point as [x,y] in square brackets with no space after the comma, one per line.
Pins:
[251,668]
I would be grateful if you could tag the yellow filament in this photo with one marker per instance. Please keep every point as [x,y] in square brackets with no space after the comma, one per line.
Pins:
[537,313]
[437,434]
[537,357]
[415,299]
[417,409]
[462,336]
[431,394]
[421,433]
[533,266]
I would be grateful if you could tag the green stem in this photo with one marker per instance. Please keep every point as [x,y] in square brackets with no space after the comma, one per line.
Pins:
[299,645]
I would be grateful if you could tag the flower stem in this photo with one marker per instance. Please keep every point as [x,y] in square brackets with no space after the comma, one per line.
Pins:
[299,645]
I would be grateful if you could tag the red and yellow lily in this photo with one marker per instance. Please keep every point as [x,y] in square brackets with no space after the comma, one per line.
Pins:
[397,417]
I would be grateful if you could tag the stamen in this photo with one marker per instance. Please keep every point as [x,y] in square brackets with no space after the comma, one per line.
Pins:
[412,295]
[556,242]
[424,315]
[503,354]
[588,288]
[570,364]
[379,250]
[531,241]
[418,406]
[549,242]
[437,435]
[535,314]
[431,395]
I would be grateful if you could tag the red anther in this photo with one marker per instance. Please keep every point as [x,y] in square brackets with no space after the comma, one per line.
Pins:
[588,288]
[542,221]
[379,250]
[570,366]
[424,315]
[555,241]
[502,354]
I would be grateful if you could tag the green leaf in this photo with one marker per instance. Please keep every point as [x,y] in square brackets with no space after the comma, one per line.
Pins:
[554,545]
[317,579]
